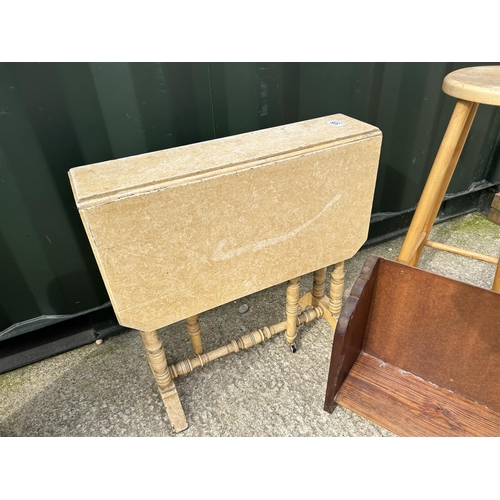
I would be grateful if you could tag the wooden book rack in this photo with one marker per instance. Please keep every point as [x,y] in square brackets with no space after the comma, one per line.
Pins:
[184,230]
[418,353]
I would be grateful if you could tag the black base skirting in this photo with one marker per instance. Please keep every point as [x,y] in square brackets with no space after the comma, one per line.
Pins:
[384,227]
[54,339]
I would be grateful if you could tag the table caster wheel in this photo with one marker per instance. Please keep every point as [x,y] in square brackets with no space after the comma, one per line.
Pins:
[293,348]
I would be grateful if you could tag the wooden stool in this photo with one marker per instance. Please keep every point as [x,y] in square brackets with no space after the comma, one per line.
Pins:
[471,86]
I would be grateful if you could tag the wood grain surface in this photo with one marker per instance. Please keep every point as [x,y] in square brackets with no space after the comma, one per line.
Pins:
[410,406]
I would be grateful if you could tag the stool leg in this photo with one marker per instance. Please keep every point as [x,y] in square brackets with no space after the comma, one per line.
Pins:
[292,311]
[336,289]
[193,328]
[496,281]
[437,182]
[158,364]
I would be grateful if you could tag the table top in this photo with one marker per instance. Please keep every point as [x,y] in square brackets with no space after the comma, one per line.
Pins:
[181,231]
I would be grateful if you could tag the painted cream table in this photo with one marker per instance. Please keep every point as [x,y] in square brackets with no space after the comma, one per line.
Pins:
[181,231]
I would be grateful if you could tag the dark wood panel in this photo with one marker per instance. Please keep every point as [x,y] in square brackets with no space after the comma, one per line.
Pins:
[350,330]
[440,329]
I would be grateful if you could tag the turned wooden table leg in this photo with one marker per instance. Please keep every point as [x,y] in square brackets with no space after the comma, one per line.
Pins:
[336,289]
[193,327]
[319,280]
[292,311]
[317,296]
[158,364]
[437,182]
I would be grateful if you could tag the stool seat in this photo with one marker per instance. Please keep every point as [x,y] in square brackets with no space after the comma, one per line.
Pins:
[477,84]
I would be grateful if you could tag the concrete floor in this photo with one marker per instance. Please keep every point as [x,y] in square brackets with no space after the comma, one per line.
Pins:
[108,390]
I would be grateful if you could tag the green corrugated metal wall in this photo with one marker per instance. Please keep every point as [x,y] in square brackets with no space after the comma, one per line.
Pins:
[54,116]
